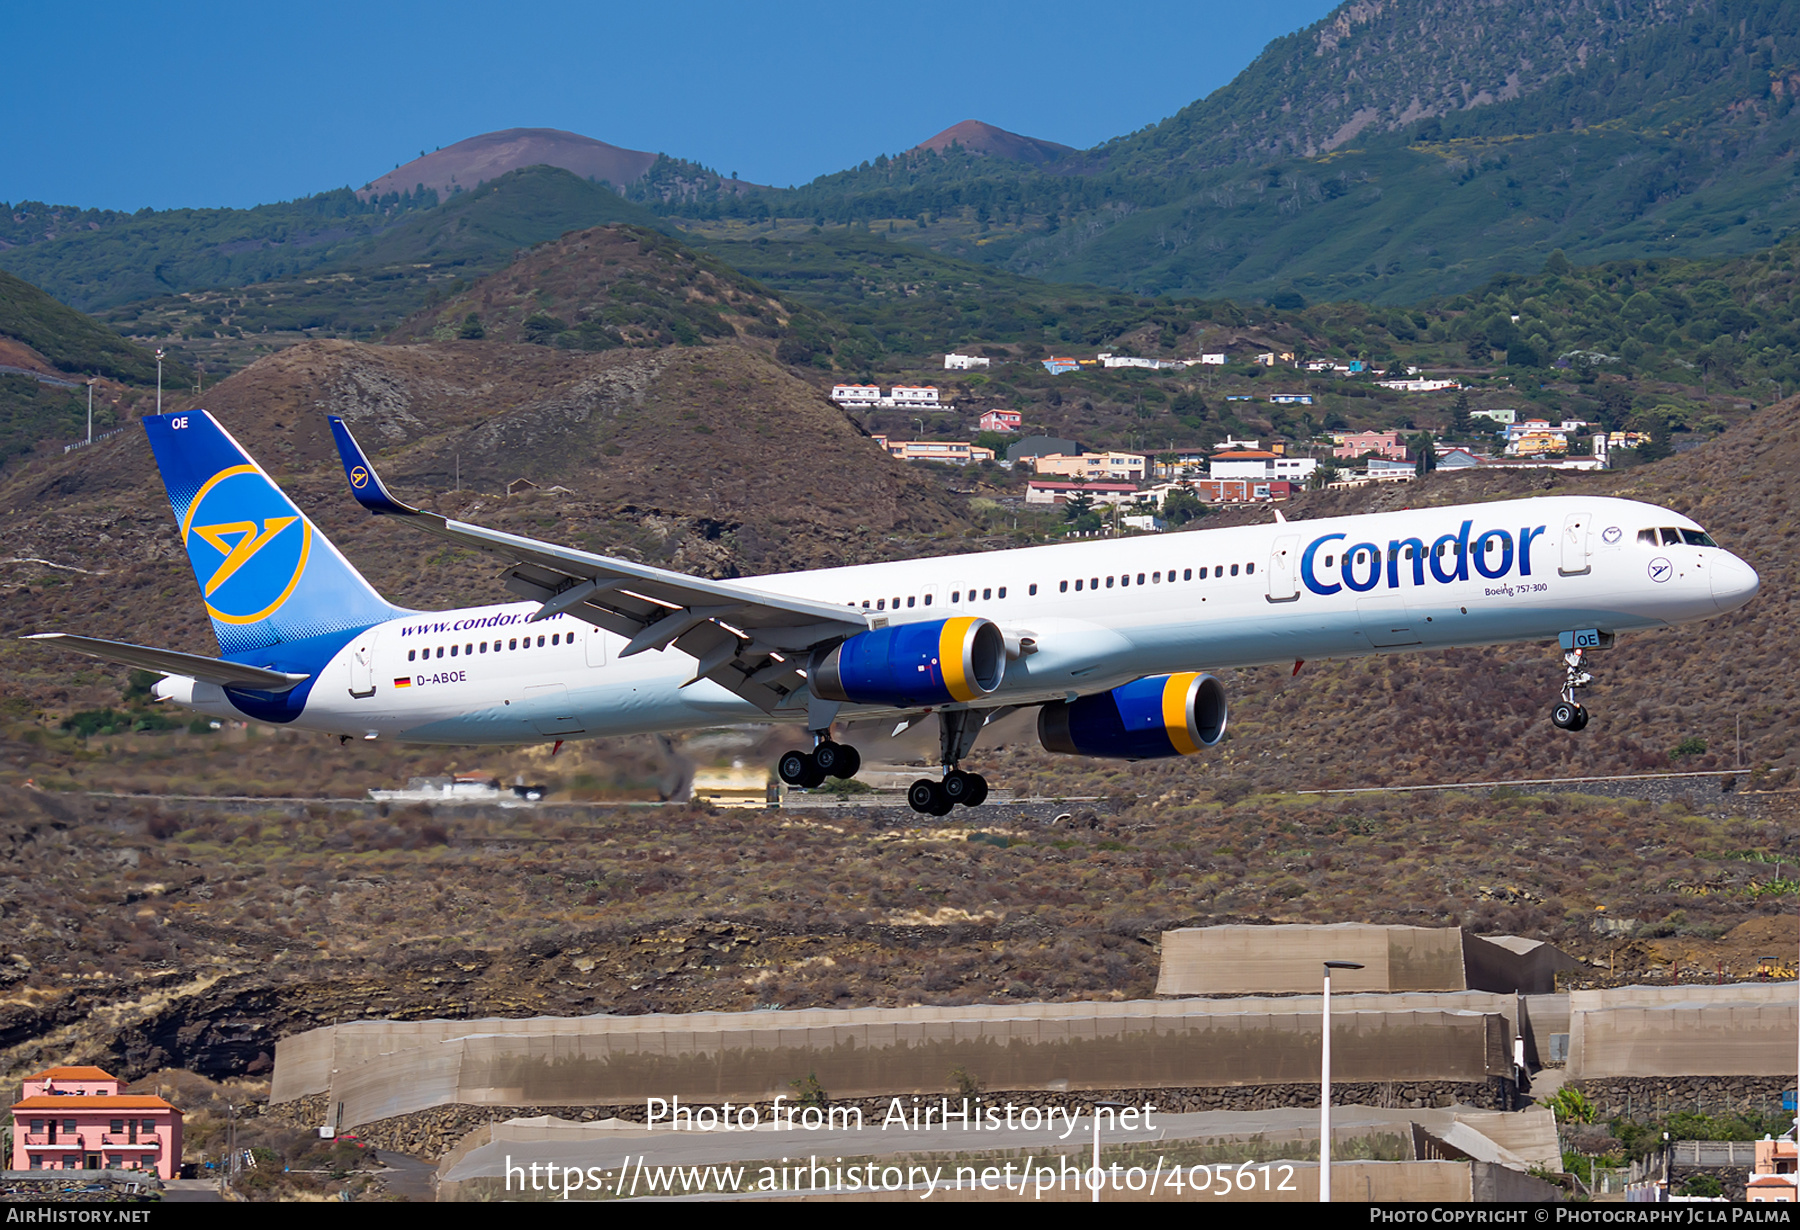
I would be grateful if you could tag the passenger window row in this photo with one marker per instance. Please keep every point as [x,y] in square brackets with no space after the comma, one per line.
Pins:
[512,645]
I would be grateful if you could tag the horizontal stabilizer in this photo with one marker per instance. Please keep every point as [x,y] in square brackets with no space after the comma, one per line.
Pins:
[170,662]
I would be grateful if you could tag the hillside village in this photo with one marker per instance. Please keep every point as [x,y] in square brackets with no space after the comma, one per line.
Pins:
[1140,485]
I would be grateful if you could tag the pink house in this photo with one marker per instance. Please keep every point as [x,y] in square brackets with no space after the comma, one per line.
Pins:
[1381,443]
[76,1119]
[1002,420]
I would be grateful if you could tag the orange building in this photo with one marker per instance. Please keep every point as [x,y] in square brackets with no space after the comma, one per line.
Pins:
[1773,1180]
[76,1119]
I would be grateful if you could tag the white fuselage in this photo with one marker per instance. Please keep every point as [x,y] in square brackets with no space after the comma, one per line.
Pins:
[1098,614]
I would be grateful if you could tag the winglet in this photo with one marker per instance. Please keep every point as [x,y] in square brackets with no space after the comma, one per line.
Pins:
[365,483]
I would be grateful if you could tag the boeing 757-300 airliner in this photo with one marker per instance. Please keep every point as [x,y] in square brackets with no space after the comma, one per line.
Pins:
[1109,641]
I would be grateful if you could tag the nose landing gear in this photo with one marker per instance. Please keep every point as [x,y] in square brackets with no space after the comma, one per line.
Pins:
[1568,713]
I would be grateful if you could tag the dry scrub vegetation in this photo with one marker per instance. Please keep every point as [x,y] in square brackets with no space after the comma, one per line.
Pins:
[147,935]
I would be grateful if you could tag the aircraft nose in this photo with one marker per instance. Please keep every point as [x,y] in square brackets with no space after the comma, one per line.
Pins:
[1733,582]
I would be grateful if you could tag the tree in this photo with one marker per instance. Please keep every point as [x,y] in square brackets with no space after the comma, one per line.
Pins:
[1180,507]
[1426,448]
[1078,505]
[1462,424]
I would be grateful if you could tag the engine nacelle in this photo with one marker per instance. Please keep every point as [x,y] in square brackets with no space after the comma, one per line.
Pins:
[935,663]
[1148,719]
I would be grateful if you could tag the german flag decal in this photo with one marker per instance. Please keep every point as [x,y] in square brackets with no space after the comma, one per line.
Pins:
[403,682]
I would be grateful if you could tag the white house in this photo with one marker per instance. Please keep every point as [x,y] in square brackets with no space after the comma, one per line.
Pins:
[964,362]
[1259,464]
[910,397]
[1212,360]
[1419,386]
[914,396]
[856,394]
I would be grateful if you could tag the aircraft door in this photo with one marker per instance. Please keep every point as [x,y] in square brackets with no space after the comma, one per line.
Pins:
[596,647]
[1283,570]
[1574,562]
[362,666]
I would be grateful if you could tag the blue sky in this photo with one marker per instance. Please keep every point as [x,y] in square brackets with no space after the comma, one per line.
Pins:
[126,105]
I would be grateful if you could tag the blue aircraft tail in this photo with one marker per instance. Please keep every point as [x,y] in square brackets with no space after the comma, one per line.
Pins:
[266,574]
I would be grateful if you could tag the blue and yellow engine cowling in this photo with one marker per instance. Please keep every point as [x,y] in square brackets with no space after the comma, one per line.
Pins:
[934,663]
[1148,719]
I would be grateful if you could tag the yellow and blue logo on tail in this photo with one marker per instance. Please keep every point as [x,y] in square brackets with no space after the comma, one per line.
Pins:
[266,574]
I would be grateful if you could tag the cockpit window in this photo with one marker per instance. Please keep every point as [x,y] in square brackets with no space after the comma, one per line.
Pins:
[1697,538]
[1647,536]
[1671,537]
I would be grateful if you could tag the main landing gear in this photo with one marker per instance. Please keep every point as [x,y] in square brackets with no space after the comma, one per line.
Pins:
[957,731]
[827,759]
[1568,713]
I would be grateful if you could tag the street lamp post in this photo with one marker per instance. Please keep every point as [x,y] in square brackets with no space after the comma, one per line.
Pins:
[1325,1084]
[159,359]
[90,385]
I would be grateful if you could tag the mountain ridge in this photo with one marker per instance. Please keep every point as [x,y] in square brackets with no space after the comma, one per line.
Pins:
[489,155]
[979,137]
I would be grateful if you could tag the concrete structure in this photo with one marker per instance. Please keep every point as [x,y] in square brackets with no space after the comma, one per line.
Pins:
[1044,491]
[378,1069]
[1497,416]
[1741,1029]
[1276,959]
[1116,467]
[1290,399]
[1001,420]
[1488,1161]
[950,452]
[965,362]
[76,1118]
[1212,360]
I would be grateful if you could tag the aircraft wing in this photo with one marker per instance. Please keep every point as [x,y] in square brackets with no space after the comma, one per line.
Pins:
[751,642]
[170,662]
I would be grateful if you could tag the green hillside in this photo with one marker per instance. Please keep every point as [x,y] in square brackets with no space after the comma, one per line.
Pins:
[34,412]
[362,289]
[101,260]
[71,341]
[1347,161]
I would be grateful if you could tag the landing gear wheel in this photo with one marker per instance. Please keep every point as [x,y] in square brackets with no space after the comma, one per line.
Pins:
[928,797]
[1567,716]
[836,759]
[1581,719]
[958,786]
[796,768]
[978,791]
